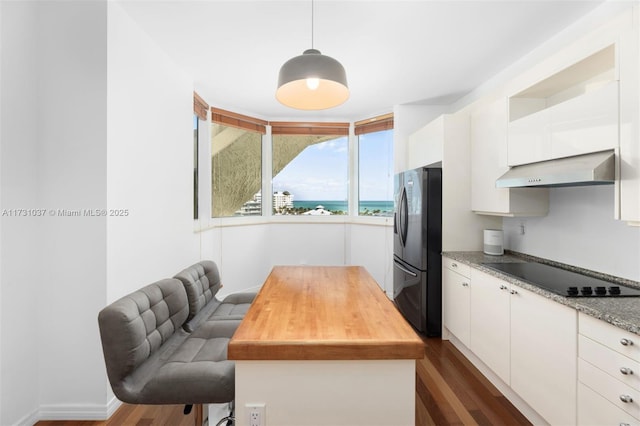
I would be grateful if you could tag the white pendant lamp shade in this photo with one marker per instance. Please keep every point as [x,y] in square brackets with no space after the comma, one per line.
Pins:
[312,81]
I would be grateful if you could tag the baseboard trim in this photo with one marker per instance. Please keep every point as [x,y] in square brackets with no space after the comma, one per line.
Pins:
[113,406]
[77,412]
[30,419]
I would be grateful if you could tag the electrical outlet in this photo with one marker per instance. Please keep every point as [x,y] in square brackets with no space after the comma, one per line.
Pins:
[256,414]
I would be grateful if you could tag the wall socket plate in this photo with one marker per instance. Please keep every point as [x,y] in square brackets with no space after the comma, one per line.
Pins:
[256,414]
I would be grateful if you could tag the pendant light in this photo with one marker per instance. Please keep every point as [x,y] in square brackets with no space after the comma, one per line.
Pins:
[312,81]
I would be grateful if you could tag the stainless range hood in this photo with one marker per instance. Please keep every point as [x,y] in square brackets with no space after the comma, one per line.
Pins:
[597,168]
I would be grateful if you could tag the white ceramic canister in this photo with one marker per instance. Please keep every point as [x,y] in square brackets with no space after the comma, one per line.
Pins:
[493,242]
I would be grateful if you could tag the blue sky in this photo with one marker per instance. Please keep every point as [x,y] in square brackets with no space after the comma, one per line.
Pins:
[320,172]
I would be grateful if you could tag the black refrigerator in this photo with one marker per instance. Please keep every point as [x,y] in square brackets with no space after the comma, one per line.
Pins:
[417,247]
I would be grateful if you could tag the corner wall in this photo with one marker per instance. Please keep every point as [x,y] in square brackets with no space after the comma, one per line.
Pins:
[71,162]
[19,276]
[83,133]
[149,153]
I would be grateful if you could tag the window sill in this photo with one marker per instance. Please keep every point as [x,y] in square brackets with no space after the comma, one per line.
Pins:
[292,219]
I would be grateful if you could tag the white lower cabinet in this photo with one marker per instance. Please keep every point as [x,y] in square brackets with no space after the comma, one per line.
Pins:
[529,342]
[595,410]
[608,368]
[543,355]
[455,299]
[490,322]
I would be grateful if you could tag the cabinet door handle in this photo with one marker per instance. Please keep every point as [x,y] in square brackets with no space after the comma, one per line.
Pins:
[514,292]
[626,398]
[503,287]
[454,265]
[626,371]
[465,284]
[626,342]
[625,424]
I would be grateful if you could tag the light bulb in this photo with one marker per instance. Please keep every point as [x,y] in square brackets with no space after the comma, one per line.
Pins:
[313,83]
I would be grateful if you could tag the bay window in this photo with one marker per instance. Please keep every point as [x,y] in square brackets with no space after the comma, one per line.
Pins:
[310,168]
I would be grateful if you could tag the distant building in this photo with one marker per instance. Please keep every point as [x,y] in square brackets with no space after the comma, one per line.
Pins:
[252,207]
[281,200]
[318,211]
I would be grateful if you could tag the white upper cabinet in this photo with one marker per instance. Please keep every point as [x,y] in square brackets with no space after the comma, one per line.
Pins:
[489,162]
[446,140]
[629,164]
[588,123]
[426,146]
[574,111]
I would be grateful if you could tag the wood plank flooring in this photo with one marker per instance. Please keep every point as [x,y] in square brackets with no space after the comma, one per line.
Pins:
[449,391]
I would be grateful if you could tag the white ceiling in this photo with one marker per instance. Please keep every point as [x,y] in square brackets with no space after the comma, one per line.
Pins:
[394,52]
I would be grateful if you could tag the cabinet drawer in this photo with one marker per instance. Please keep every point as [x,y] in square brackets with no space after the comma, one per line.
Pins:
[594,410]
[610,388]
[610,336]
[457,266]
[610,361]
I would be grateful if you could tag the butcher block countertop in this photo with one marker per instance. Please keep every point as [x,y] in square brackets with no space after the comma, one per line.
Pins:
[323,313]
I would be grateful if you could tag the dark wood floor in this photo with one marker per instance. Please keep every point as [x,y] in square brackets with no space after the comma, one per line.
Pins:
[449,391]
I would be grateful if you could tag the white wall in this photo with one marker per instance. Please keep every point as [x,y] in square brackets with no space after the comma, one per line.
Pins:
[245,254]
[371,246]
[580,230]
[20,276]
[79,132]
[149,164]
[72,82]
[244,257]
[149,161]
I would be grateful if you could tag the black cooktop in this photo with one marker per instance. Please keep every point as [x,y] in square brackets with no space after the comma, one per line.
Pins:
[563,282]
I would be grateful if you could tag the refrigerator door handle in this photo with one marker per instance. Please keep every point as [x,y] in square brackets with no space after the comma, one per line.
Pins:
[404,216]
[405,270]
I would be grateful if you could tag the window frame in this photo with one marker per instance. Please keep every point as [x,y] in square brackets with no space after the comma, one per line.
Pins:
[333,128]
[352,129]
[201,114]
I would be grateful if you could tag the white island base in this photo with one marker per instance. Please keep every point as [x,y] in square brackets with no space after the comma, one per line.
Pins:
[328,393]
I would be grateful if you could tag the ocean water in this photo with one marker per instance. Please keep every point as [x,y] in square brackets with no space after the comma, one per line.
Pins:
[335,205]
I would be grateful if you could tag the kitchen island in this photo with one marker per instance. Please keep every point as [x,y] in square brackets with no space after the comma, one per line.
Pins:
[325,346]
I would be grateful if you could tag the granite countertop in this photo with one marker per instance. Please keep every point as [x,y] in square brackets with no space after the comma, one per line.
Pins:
[623,312]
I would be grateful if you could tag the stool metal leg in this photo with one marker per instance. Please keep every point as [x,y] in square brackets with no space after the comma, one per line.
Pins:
[230,419]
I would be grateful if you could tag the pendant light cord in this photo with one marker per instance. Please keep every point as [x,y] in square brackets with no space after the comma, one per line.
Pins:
[312,24]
